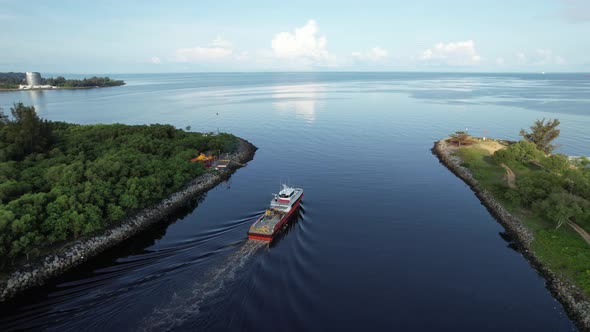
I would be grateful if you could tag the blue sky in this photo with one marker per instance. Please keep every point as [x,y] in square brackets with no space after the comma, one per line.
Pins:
[191,36]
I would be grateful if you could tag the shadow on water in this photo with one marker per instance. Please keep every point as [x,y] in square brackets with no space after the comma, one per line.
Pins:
[510,241]
[135,246]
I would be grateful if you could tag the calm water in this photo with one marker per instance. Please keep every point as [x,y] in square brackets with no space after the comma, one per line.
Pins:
[387,239]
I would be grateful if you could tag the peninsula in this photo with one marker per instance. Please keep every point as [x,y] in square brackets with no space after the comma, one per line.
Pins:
[541,198]
[69,192]
[34,81]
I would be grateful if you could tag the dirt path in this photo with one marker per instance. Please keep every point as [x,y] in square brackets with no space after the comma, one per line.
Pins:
[491,146]
[510,177]
[580,231]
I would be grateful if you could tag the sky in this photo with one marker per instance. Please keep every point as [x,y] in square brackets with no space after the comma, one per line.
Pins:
[129,36]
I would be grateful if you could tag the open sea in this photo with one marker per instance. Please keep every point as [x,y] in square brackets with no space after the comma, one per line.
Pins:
[387,238]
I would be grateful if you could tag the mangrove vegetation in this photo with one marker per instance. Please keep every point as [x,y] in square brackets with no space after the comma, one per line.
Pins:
[14,80]
[93,81]
[61,181]
[11,80]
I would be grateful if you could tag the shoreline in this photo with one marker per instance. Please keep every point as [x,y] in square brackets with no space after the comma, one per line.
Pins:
[73,254]
[60,88]
[569,295]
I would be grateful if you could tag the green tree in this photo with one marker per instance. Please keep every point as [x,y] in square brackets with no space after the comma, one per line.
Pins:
[537,186]
[75,187]
[542,134]
[557,163]
[460,137]
[25,133]
[521,151]
[3,117]
[559,208]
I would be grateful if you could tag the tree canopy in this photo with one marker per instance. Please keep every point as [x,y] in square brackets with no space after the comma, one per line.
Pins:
[547,192]
[25,133]
[69,180]
[542,134]
[62,82]
[13,80]
[461,138]
[551,186]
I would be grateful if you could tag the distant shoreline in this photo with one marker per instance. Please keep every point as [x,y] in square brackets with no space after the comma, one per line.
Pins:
[13,81]
[60,88]
[568,294]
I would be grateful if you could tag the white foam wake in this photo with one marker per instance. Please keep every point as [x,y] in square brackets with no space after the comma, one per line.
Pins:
[188,305]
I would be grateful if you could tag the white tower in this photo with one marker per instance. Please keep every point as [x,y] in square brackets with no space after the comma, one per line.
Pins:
[33,78]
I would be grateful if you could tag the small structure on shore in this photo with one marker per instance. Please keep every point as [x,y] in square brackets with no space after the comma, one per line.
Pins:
[34,81]
[213,161]
[207,160]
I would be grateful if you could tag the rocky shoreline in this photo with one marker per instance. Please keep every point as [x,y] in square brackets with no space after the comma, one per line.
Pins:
[78,252]
[572,298]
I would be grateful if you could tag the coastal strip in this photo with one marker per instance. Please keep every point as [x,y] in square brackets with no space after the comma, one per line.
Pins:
[58,88]
[78,252]
[572,298]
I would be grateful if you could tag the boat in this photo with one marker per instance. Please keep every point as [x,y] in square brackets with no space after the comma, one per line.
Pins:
[282,207]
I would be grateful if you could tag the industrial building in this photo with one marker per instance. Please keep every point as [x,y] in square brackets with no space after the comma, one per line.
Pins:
[33,79]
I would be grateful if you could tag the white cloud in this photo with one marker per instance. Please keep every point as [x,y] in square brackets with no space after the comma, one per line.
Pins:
[219,49]
[156,60]
[304,43]
[541,57]
[461,53]
[242,56]
[546,57]
[500,61]
[375,54]
[222,43]
[559,60]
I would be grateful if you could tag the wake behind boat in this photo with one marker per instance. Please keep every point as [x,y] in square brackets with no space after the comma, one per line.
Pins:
[281,208]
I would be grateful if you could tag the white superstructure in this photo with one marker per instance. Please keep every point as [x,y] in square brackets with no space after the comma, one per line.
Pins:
[286,198]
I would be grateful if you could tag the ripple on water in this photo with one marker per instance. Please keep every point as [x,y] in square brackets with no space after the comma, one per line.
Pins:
[186,304]
[107,291]
[376,201]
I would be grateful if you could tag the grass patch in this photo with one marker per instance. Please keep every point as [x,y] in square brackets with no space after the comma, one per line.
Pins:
[562,250]
[481,165]
[565,252]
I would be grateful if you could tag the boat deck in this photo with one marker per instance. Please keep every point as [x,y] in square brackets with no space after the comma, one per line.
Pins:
[267,223]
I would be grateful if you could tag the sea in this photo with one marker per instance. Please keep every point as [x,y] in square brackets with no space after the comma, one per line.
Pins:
[387,239]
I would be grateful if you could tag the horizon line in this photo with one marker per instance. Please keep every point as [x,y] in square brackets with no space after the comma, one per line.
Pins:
[310,72]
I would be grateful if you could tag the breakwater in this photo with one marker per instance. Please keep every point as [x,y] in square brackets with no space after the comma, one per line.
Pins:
[572,298]
[36,273]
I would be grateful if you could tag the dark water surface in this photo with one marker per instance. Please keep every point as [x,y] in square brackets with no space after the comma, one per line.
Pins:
[387,238]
